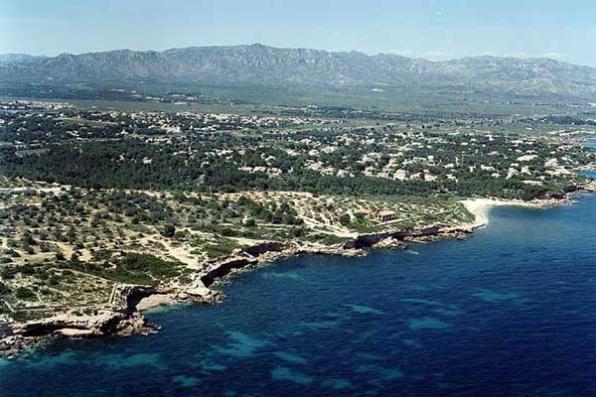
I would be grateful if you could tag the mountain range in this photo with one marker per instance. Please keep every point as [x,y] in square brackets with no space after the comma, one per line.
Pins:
[306,69]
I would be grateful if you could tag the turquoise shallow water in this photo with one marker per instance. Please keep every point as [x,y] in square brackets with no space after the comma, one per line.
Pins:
[508,312]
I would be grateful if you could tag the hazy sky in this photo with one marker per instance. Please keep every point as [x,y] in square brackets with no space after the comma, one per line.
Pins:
[562,29]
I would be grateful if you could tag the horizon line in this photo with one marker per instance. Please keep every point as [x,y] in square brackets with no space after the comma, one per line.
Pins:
[256,44]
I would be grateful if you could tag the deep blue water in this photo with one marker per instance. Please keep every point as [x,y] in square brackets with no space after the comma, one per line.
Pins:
[509,312]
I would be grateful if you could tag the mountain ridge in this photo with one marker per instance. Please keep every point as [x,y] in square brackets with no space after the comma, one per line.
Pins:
[258,64]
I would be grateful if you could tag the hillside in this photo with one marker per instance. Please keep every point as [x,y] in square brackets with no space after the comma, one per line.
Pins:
[306,69]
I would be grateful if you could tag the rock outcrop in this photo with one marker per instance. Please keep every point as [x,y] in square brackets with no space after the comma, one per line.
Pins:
[373,239]
[30,333]
[127,301]
[267,246]
[223,268]
[104,323]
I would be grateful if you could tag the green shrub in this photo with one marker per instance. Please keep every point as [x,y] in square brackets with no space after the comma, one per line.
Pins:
[168,231]
[25,293]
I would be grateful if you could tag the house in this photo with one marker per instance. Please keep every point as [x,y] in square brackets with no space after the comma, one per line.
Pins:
[385,216]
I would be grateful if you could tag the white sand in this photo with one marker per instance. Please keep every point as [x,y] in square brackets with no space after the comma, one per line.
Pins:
[72,332]
[480,208]
[154,301]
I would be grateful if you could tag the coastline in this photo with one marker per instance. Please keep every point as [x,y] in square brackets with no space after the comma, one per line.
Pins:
[480,207]
[125,316]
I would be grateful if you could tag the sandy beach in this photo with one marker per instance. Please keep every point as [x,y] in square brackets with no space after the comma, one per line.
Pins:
[480,208]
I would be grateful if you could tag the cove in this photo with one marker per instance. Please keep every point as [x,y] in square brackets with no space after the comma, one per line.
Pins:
[509,311]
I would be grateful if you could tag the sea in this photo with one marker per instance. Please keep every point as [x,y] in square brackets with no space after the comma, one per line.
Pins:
[510,311]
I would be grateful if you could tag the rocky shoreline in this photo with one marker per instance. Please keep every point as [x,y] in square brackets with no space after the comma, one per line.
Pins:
[125,316]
